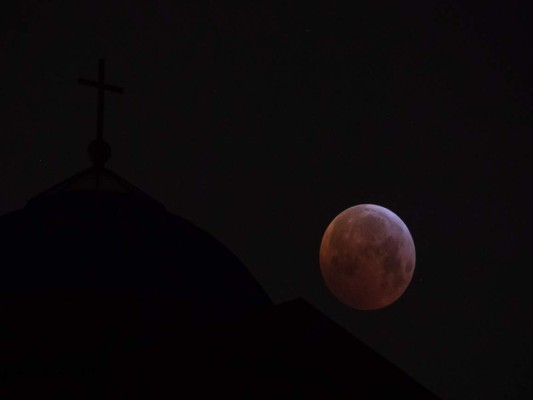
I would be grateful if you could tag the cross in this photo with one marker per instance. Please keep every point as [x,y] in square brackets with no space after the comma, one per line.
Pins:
[102,87]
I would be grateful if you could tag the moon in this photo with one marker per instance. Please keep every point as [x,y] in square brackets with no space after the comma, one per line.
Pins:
[367,257]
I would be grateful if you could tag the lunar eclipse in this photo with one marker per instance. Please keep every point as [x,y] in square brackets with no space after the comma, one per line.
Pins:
[367,257]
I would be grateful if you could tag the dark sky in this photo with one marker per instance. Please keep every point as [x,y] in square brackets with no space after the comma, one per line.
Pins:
[260,122]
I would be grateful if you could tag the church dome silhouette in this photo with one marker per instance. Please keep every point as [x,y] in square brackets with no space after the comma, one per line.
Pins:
[104,294]
[117,238]
[97,232]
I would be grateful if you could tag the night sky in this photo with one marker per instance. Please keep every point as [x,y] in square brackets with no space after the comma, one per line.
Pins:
[261,122]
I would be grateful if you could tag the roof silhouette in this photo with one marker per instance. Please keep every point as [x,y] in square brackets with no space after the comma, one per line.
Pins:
[104,294]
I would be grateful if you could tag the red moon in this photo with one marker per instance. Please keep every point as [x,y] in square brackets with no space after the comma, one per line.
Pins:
[367,257]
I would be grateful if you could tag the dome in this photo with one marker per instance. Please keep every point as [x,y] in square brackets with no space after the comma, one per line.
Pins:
[95,234]
[118,239]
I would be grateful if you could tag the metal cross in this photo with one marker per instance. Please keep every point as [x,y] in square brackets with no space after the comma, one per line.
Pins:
[102,87]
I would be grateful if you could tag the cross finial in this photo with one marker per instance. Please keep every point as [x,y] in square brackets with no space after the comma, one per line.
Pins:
[99,150]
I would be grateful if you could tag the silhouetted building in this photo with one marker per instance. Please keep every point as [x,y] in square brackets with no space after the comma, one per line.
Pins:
[104,294]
